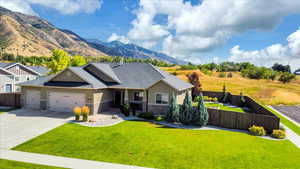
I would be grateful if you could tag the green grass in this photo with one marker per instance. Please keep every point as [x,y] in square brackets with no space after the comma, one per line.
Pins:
[6,110]
[222,107]
[8,164]
[150,145]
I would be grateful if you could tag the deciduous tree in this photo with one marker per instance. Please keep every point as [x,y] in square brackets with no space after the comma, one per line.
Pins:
[59,61]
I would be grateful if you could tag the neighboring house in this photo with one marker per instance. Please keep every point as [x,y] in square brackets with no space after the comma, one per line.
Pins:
[104,85]
[14,73]
[297,72]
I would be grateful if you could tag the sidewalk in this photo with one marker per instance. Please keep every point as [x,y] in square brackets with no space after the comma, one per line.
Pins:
[57,161]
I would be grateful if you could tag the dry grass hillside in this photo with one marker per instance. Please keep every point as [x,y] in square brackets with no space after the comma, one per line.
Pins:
[267,91]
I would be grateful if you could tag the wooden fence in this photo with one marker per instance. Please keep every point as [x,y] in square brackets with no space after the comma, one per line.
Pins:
[258,115]
[10,99]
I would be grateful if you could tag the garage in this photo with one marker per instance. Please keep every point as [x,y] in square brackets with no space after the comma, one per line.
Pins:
[65,102]
[33,99]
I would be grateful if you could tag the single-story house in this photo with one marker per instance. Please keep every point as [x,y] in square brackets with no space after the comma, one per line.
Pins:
[104,85]
[14,73]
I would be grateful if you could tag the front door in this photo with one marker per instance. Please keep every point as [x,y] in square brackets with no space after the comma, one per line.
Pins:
[118,98]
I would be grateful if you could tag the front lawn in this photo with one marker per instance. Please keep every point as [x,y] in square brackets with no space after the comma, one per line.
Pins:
[8,164]
[150,145]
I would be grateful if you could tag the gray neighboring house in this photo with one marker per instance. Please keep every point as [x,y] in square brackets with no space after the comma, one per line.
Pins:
[102,86]
[14,73]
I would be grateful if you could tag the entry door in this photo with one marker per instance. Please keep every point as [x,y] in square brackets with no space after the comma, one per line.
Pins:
[118,98]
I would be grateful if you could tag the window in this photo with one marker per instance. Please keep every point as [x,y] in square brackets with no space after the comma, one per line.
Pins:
[138,96]
[28,78]
[162,98]
[17,79]
[8,88]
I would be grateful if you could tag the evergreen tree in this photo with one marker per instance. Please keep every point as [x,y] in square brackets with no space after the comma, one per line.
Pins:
[202,112]
[173,112]
[186,110]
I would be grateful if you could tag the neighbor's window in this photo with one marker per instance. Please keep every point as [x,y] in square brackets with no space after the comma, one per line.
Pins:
[162,98]
[17,79]
[138,96]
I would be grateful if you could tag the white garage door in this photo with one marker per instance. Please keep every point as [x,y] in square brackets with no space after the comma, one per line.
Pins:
[65,102]
[33,99]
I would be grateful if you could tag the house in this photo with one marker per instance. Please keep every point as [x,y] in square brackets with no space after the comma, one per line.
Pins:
[297,72]
[104,85]
[14,73]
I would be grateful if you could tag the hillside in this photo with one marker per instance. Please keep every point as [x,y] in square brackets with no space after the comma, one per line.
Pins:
[117,48]
[266,91]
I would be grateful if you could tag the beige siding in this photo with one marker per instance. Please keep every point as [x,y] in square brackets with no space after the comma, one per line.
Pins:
[99,74]
[181,95]
[67,76]
[160,87]
[101,97]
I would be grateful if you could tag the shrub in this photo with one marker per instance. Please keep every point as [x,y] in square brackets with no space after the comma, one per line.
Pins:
[159,118]
[286,77]
[206,72]
[77,112]
[146,115]
[222,75]
[85,112]
[206,98]
[229,75]
[215,99]
[125,109]
[280,134]
[257,130]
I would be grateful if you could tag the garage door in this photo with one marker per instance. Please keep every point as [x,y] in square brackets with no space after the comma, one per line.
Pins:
[33,99]
[65,102]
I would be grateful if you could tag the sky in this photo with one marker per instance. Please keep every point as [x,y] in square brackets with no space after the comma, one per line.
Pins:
[200,31]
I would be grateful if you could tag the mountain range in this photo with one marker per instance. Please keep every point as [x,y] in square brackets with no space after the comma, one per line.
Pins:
[27,35]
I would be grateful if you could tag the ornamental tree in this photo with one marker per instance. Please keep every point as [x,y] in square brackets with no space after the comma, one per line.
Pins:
[195,81]
[186,110]
[173,112]
[59,61]
[202,113]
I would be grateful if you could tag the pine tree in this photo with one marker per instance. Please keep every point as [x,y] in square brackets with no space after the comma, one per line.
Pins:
[202,112]
[173,112]
[186,110]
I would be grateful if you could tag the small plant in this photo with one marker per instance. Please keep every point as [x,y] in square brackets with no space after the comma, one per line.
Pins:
[206,98]
[125,109]
[159,118]
[147,115]
[257,130]
[85,112]
[77,112]
[280,134]
[215,99]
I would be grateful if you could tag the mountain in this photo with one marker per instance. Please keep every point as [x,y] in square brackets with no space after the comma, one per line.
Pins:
[117,48]
[27,35]
[30,35]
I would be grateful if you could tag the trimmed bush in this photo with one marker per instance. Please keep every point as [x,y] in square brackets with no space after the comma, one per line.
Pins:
[77,112]
[229,75]
[222,75]
[280,134]
[85,113]
[159,118]
[257,130]
[146,115]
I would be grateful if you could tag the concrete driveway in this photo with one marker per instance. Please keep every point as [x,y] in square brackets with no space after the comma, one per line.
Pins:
[22,125]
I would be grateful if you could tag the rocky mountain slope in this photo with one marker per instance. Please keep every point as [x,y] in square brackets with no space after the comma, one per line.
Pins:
[29,35]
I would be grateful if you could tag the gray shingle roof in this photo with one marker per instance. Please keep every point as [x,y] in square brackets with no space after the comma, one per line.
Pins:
[4,65]
[130,75]
[40,69]
[106,69]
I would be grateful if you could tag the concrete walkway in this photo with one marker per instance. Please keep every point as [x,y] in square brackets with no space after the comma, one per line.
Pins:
[57,161]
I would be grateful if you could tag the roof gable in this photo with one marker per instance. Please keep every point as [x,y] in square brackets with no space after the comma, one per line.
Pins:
[103,72]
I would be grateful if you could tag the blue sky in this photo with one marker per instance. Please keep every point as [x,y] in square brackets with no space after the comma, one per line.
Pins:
[193,30]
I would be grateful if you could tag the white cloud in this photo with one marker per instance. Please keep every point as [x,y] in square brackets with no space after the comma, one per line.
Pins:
[63,6]
[192,29]
[114,37]
[285,54]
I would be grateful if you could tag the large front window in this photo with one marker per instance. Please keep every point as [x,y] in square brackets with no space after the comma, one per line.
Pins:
[138,96]
[162,98]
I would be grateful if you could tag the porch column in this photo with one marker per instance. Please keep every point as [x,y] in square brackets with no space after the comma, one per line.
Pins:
[145,102]
[126,97]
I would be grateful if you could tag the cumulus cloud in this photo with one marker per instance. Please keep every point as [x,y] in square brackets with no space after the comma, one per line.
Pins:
[286,54]
[192,29]
[63,6]
[114,37]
